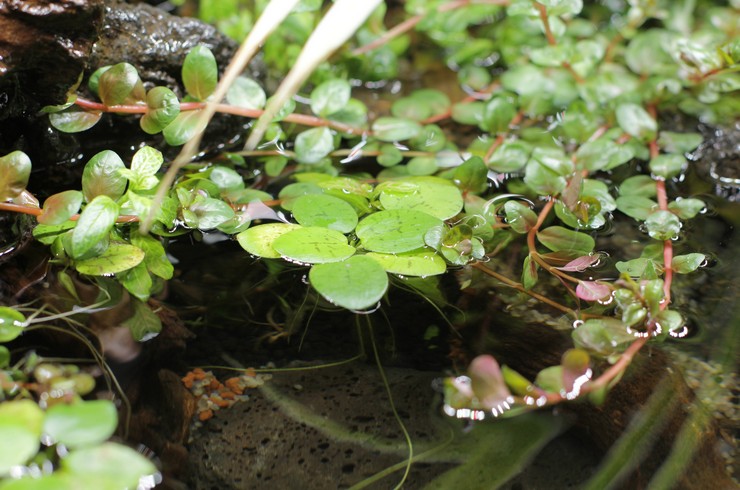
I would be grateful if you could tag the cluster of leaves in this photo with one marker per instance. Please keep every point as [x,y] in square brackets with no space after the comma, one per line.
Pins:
[52,438]
[570,104]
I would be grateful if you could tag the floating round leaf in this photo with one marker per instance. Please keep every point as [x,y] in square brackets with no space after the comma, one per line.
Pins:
[356,283]
[313,245]
[258,240]
[432,195]
[325,211]
[423,262]
[395,230]
[83,423]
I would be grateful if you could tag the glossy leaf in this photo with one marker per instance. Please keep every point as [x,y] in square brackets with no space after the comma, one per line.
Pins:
[679,143]
[186,125]
[246,93]
[120,85]
[93,225]
[636,207]
[163,107]
[519,216]
[635,121]
[580,264]
[101,176]
[258,240]
[497,115]
[325,211]
[602,154]
[312,145]
[576,364]
[684,264]
[12,323]
[638,185]
[207,213]
[356,283]
[113,465]
[80,424]
[488,384]
[118,257]
[395,129]
[313,245]
[529,272]
[605,337]
[330,97]
[432,195]
[511,156]
[668,166]
[557,238]
[663,225]
[145,163]
[60,207]
[687,208]
[424,262]
[156,258]
[395,231]
[137,281]
[200,72]
[15,169]
[471,175]
[592,290]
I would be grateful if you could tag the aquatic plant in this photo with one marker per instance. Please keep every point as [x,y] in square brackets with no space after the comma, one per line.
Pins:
[565,103]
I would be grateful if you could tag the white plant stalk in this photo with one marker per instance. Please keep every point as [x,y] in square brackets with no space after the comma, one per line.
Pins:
[339,23]
[275,12]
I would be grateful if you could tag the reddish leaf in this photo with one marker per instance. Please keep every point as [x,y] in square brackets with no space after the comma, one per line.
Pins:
[581,263]
[576,365]
[488,383]
[592,290]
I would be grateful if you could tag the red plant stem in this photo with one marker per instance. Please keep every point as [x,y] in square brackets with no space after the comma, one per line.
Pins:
[542,10]
[501,137]
[540,219]
[33,211]
[302,119]
[470,98]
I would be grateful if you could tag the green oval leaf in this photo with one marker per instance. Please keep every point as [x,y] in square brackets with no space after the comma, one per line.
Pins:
[118,257]
[19,445]
[83,423]
[330,97]
[118,83]
[395,129]
[424,262]
[186,125]
[395,231]
[432,195]
[557,238]
[101,176]
[663,225]
[325,211]
[114,465]
[313,245]
[356,283]
[668,166]
[11,323]
[95,221]
[683,264]
[246,93]
[200,72]
[635,121]
[163,107]
[15,169]
[59,207]
[312,145]
[258,240]
[519,216]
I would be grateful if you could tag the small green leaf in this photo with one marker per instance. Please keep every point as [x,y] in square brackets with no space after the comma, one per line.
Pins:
[80,424]
[668,166]
[111,465]
[325,211]
[12,323]
[258,240]
[604,337]
[663,225]
[550,379]
[246,93]
[186,125]
[119,85]
[118,257]
[19,445]
[330,97]
[602,154]
[145,163]
[137,281]
[312,145]
[207,213]
[683,264]
[356,283]
[471,175]
[557,238]
[511,156]
[529,272]
[519,216]
[74,119]
[395,231]
[200,72]
[423,262]
[679,143]
[636,207]
[313,245]
[638,185]
[60,207]
[101,176]
[497,115]
[432,195]
[156,258]
[15,169]
[163,107]
[635,121]
[392,129]
[93,225]
[226,179]
[687,208]
[144,324]
[4,356]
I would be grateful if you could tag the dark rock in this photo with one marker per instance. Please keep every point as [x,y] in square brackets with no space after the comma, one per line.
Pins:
[44,47]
